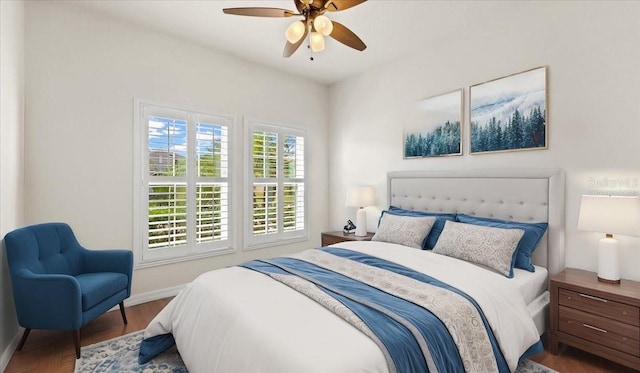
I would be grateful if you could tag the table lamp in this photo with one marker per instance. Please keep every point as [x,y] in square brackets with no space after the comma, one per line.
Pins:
[609,215]
[360,197]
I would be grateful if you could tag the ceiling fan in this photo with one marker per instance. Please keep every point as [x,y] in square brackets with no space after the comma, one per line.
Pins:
[314,23]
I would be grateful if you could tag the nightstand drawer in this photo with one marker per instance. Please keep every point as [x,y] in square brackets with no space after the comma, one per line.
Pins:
[613,334]
[600,306]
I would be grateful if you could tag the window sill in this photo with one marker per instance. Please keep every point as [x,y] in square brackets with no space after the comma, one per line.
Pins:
[281,242]
[183,258]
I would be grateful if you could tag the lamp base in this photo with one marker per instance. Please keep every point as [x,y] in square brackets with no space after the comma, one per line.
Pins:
[361,223]
[608,261]
[608,281]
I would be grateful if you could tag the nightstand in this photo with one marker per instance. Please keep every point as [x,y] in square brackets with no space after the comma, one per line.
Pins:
[329,238]
[601,318]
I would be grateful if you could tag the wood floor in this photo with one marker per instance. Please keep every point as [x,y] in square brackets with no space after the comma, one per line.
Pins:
[52,352]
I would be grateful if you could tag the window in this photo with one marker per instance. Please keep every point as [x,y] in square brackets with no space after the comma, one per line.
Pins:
[277,185]
[183,202]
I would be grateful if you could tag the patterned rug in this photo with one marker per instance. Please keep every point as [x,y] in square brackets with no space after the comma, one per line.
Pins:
[121,355]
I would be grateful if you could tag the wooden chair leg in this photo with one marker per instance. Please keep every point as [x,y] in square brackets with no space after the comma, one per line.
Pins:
[124,316]
[76,342]
[23,339]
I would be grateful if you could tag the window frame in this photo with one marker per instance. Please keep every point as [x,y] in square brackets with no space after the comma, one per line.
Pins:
[143,256]
[252,242]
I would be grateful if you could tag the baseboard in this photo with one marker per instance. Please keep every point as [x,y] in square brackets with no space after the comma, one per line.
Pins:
[131,301]
[8,352]
[150,296]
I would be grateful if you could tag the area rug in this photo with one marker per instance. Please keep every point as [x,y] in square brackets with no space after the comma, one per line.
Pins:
[121,355]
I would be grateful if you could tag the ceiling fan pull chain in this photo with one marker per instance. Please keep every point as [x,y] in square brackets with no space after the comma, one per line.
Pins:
[309,46]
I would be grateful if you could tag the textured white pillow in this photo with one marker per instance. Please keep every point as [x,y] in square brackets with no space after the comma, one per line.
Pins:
[404,230]
[489,246]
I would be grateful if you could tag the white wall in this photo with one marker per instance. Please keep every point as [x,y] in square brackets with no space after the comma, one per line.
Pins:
[591,49]
[83,70]
[12,102]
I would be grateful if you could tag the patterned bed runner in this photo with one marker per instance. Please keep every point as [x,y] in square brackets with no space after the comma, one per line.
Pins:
[420,324]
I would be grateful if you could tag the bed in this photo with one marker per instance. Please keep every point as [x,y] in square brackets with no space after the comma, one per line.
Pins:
[256,318]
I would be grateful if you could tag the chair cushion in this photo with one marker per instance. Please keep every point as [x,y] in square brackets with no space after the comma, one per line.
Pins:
[96,287]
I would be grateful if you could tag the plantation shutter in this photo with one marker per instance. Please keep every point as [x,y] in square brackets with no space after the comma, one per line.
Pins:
[167,186]
[278,183]
[185,183]
[293,169]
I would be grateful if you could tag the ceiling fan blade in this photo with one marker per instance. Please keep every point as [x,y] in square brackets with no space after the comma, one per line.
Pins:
[259,12]
[290,48]
[342,34]
[337,5]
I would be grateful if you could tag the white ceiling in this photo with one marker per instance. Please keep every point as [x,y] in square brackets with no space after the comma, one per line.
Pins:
[391,29]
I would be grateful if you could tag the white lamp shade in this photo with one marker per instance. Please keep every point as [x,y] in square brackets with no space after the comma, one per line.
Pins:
[610,215]
[316,41]
[360,197]
[294,32]
[323,25]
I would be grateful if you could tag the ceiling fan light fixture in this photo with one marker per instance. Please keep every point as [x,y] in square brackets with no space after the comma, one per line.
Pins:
[316,41]
[314,24]
[294,32]
[323,25]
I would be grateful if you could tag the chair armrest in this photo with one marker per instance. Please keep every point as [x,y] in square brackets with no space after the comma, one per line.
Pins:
[47,301]
[119,261]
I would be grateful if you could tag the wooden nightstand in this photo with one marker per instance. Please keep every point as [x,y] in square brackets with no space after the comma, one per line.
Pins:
[329,238]
[597,317]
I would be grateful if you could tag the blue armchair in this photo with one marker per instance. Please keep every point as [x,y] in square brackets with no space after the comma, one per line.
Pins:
[58,284]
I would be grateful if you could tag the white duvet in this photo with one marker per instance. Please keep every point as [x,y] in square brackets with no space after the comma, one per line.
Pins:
[238,320]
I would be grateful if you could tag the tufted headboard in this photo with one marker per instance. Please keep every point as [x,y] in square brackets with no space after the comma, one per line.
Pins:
[526,195]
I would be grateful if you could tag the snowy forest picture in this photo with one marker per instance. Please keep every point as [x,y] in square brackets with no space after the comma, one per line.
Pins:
[435,129]
[509,113]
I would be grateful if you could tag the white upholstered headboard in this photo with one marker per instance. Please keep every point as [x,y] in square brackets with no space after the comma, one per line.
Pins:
[527,195]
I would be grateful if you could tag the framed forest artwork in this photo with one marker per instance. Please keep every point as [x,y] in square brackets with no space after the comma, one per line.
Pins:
[435,127]
[509,113]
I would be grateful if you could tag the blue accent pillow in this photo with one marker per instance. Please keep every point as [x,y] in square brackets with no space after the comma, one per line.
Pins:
[431,239]
[533,233]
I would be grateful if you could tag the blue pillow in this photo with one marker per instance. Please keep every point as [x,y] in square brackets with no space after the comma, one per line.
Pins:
[431,239]
[533,233]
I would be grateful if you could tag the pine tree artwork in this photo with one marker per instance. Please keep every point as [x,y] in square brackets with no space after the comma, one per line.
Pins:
[509,113]
[435,129]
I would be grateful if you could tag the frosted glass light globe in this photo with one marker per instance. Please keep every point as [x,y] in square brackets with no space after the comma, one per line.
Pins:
[323,25]
[317,42]
[294,32]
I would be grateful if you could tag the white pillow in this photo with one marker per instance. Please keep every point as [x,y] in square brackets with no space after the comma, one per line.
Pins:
[404,230]
[488,246]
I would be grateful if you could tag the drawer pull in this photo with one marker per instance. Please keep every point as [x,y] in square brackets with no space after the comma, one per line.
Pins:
[594,328]
[594,298]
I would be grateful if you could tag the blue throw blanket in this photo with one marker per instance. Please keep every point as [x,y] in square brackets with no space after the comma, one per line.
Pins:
[414,338]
